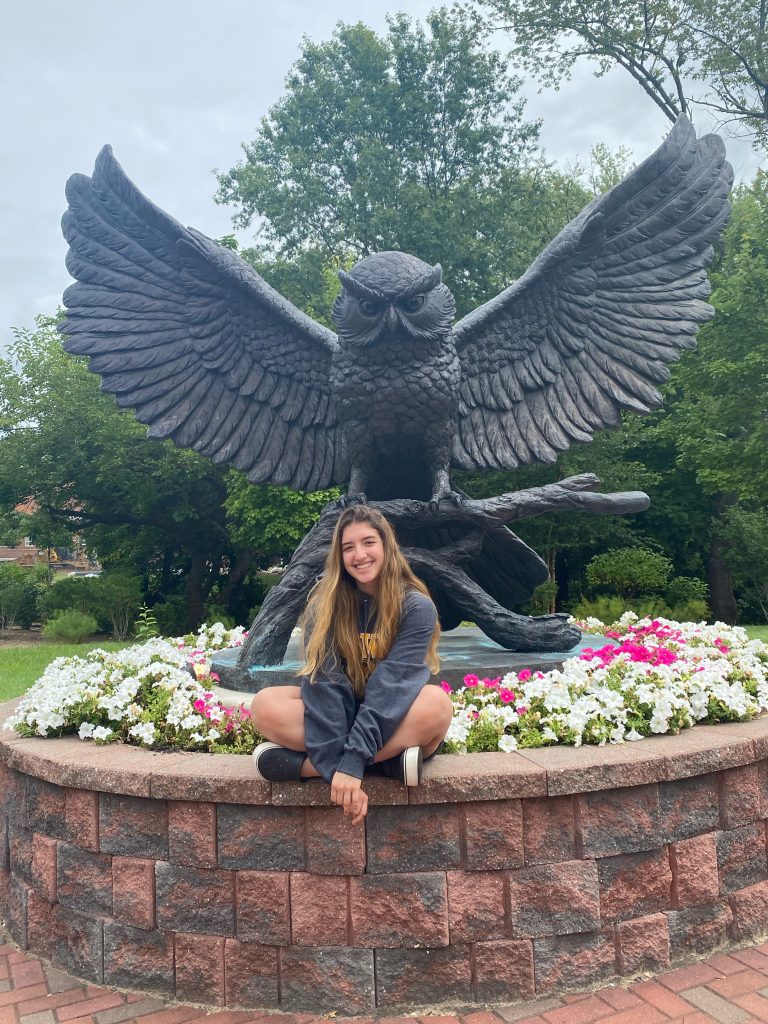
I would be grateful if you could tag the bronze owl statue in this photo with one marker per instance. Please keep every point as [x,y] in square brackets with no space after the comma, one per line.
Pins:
[184,332]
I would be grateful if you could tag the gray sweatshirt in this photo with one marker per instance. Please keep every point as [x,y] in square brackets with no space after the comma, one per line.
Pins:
[342,732]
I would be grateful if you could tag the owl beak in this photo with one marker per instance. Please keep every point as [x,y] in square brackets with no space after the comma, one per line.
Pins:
[391,319]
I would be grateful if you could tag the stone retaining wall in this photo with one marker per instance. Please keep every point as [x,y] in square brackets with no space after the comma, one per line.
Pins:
[501,877]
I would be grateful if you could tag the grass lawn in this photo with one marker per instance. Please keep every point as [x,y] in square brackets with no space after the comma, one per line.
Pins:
[21,666]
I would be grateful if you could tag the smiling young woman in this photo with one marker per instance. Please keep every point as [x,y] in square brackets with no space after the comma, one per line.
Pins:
[371,634]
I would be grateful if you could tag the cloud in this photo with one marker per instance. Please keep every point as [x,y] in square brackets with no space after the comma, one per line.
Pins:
[176,87]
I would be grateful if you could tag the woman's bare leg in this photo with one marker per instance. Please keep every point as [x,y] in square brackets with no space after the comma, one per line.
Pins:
[424,725]
[278,714]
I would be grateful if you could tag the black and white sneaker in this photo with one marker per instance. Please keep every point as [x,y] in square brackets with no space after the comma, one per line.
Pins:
[274,763]
[405,767]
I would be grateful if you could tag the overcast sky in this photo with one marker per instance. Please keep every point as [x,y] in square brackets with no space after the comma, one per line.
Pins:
[175,86]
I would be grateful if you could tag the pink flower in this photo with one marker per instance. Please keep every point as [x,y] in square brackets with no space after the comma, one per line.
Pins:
[446,687]
[475,714]
[524,675]
[521,709]
[506,696]
[471,680]
[215,677]
[199,704]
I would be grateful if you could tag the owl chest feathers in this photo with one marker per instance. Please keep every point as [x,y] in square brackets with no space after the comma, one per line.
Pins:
[398,383]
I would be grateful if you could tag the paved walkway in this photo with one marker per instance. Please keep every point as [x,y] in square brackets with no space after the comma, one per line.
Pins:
[727,988]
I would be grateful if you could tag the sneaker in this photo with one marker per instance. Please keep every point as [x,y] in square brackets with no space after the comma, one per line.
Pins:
[274,763]
[405,767]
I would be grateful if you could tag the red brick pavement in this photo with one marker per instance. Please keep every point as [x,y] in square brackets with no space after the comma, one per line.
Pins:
[728,988]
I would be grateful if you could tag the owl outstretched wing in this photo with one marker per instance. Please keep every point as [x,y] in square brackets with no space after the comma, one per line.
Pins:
[182,331]
[591,326]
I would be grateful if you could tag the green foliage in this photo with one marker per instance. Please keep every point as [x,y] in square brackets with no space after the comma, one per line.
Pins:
[146,625]
[610,607]
[542,600]
[70,626]
[683,54]
[631,571]
[216,613]
[273,518]
[145,507]
[113,599]
[681,589]
[745,532]
[80,593]
[171,615]
[120,596]
[18,596]
[721,391]
[413,140]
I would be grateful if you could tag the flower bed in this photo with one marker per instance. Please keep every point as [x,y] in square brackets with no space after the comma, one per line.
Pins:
[651,677]
[143,695]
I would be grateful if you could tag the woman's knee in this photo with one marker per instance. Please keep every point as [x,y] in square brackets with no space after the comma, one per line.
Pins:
[436,707]
[268,706]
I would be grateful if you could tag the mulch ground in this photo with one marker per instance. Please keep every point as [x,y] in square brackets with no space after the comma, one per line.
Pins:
[727,988]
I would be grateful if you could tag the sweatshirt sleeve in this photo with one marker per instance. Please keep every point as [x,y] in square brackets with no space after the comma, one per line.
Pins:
[392,686]
[329,712]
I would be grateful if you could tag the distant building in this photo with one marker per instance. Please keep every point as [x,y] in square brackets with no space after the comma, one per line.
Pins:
[27,553]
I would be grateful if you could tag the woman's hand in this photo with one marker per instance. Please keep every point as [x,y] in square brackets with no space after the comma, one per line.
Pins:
[347,793]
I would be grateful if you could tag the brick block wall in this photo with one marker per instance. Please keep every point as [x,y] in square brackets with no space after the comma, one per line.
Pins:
[278,901]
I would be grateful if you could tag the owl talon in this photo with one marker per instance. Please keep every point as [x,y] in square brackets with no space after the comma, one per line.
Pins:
[351,499]
[456,499]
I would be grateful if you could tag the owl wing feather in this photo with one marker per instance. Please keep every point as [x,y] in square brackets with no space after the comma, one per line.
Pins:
[591,326]
[204,351]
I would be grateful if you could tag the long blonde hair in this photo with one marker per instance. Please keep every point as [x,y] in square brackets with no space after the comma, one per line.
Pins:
[332,615]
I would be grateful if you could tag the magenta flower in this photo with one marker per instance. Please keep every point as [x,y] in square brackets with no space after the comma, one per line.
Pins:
[524,675]
[471,680]
[446,686]
[506,696]
[521,709]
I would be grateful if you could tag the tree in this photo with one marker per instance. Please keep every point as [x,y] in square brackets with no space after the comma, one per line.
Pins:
[415,141]
[143,506]
[683,53]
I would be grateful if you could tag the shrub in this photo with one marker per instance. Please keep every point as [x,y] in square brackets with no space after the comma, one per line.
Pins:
[120,596]
[693,610]
[605,608]
[70,626]
[113,599]
[18,596]
[171,615]
[541,600]
[687,597]
[629,571]
[78,593]
[609,608]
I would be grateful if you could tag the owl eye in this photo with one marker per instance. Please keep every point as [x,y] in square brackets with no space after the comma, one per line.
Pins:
[413,303]
[368,307]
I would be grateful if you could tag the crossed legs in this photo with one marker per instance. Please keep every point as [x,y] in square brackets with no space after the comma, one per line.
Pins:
[278,714]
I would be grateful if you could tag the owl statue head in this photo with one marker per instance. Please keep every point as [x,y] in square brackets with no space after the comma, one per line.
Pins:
[393,296]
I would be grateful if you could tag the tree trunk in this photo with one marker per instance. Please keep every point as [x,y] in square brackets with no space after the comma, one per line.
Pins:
[195,599]
[721,599]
